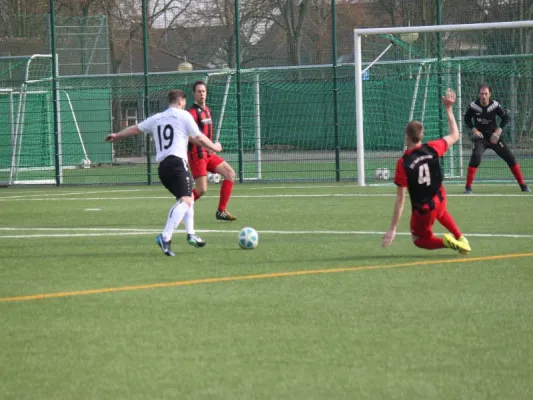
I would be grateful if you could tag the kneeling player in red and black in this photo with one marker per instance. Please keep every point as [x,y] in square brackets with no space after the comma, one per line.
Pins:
[419,172]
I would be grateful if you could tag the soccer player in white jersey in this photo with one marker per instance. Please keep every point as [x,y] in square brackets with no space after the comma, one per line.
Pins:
[171,130]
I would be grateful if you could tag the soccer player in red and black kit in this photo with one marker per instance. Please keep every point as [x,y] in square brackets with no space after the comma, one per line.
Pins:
[202,161]
[419,172]
[486,134]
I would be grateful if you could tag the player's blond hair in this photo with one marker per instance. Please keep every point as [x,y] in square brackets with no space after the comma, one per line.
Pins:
[414,130]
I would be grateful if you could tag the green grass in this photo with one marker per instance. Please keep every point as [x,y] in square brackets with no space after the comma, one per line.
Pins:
[306,167]
[322,315]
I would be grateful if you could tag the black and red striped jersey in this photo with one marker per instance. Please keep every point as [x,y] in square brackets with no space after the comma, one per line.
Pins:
[202,116]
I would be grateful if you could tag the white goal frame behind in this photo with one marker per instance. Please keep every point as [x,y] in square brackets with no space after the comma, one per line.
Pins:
[257,99]
[358,33]
[16,121]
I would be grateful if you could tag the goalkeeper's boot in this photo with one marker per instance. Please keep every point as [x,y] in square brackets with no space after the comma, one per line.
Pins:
[165,246]
[195,241]
[450,242]
[525,188]
[224,215]
[464,246]
[468,190]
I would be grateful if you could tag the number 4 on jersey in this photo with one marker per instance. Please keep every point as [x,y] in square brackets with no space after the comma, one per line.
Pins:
[423,175]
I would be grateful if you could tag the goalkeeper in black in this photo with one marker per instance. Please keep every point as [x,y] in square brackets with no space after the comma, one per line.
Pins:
[481,118]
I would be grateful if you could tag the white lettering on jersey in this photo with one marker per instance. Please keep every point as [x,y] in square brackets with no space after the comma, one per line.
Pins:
[418,160]
[171,130]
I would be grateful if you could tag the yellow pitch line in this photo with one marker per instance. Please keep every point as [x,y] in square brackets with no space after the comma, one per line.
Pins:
[257,276]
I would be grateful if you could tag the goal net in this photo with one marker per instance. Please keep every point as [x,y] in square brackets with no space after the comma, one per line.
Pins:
[27,144]
[287,129]
[401,74]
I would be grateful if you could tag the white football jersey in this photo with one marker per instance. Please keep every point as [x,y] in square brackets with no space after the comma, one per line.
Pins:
[171,130]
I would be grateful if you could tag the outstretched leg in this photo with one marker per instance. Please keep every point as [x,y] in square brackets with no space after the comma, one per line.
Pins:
[479,147]
[447,221]
[505,153]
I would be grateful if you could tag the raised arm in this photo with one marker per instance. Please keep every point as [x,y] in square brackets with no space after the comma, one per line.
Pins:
[448,100]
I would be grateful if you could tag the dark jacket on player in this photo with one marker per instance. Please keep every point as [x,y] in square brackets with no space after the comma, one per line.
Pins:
[484,118]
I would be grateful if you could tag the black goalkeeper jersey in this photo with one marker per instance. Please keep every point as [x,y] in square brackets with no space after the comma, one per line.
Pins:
[484,118]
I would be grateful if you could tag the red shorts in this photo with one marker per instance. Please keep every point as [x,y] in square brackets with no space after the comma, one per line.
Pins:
[200,166]
[422,221]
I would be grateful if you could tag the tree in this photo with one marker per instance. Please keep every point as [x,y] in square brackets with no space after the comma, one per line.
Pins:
[14,15]
[253,18]
[318,27]
[290,15]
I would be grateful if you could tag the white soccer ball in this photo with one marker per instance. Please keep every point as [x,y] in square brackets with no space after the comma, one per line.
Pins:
[85,163]
[216,178]
[248,238]
[382,174]
[209,177]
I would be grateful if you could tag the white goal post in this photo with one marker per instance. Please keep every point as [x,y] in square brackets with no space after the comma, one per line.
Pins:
[27,108]
[359,72]
[257,118]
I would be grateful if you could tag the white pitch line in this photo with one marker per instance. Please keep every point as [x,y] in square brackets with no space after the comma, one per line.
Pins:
[69,235]
[473,196]
[22,228]
[24,196]
[113,232]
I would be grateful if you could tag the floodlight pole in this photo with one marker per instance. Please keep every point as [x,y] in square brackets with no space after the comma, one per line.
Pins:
[240,142]
[439,69]
[55,93]
[146,93]
[335,92]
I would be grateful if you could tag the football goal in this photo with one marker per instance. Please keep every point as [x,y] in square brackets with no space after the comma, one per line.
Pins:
[222,89]
[401,74]
[27,144]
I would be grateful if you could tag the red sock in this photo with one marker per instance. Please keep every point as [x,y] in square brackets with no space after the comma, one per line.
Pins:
[195,194]
[470,176]
[225,193]
[430,243]
[515,169]
[446,220]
